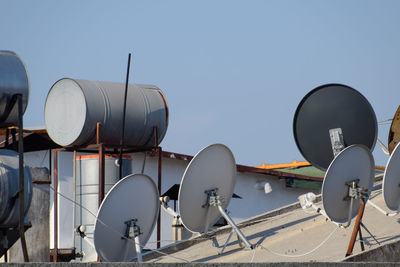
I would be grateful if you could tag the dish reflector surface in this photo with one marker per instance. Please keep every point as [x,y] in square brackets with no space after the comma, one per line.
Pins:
[213,167]
[328,107]
[394,133]
[354,162]
[133,197]
[391,180]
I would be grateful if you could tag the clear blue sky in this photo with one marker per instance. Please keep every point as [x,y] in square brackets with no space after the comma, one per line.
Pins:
[232,71]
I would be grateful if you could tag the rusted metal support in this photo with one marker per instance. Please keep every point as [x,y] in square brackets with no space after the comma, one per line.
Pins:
[356,228]
[101,172]
[159,182]
[55,205]
[98,133]
[159,192]
[21,192]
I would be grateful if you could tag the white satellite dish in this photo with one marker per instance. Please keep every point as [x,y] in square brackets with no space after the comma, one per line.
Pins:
[391,184]
[206,189]
[129,211]
[391,180]
[346,188]
[349,178]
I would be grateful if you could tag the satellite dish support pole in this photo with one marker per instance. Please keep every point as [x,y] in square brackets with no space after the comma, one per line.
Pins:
[356,228]
[214,200]
[132,232]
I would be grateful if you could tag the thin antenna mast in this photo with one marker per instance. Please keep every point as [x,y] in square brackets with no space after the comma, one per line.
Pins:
[121,143]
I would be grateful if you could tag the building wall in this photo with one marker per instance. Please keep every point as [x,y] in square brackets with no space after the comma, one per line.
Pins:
[254,201]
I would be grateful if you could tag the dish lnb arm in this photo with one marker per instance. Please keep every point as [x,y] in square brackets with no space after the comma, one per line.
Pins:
[164,203]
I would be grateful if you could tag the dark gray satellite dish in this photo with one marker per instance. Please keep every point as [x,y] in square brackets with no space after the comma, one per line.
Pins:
[330,118]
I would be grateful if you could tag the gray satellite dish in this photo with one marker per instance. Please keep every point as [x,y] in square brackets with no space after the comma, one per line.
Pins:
[349,177]
[129,210]
[391,180]
[206,189]
[329,118]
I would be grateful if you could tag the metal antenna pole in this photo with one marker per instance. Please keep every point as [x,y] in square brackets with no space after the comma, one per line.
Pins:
[21,179]
[123,118]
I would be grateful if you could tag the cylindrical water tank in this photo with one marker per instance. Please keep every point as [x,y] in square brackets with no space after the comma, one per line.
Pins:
[9,185]
[73,107]
[13,80]
[86,194]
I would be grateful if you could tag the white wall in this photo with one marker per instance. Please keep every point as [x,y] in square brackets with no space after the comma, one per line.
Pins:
[254,201]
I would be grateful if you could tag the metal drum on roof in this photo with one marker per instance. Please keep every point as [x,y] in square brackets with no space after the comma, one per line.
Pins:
[73,108]
[13,80]
[9,184]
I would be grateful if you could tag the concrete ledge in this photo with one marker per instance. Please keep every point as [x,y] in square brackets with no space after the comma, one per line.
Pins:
[385,253]
[276,264]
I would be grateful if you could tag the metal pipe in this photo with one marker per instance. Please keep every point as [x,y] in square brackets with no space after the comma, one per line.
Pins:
[55,204]
[350,214]
[138,248]
[123,118]
[355,229]
[234,226]
[101,173]
[382,210]
[21,192]
[159,192]
[168,210]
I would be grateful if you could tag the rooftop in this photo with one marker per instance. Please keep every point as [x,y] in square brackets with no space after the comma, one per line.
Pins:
[289,234]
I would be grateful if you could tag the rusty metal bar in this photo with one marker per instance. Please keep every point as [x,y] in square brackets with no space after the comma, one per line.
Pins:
[55,205]
[101,172]
[356,228]
[21,192]
[98,131]
[159,192]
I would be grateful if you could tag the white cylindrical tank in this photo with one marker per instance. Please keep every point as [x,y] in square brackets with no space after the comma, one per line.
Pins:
[9,185]
[86,195]
[13,80]
[73,107]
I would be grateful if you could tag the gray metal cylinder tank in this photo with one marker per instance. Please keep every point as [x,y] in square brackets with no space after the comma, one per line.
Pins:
[13,80]
[86,195]
[9,184]
[73,107]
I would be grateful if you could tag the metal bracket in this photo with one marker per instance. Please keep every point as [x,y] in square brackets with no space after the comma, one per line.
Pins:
[213,199]
[355,191]
[132,229]
[337,141]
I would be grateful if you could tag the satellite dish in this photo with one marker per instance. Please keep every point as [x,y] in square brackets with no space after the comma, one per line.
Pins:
[394,133]
[333,113]
[391,180]
[131,206]
[206,189]
[352,168]
[212,167]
